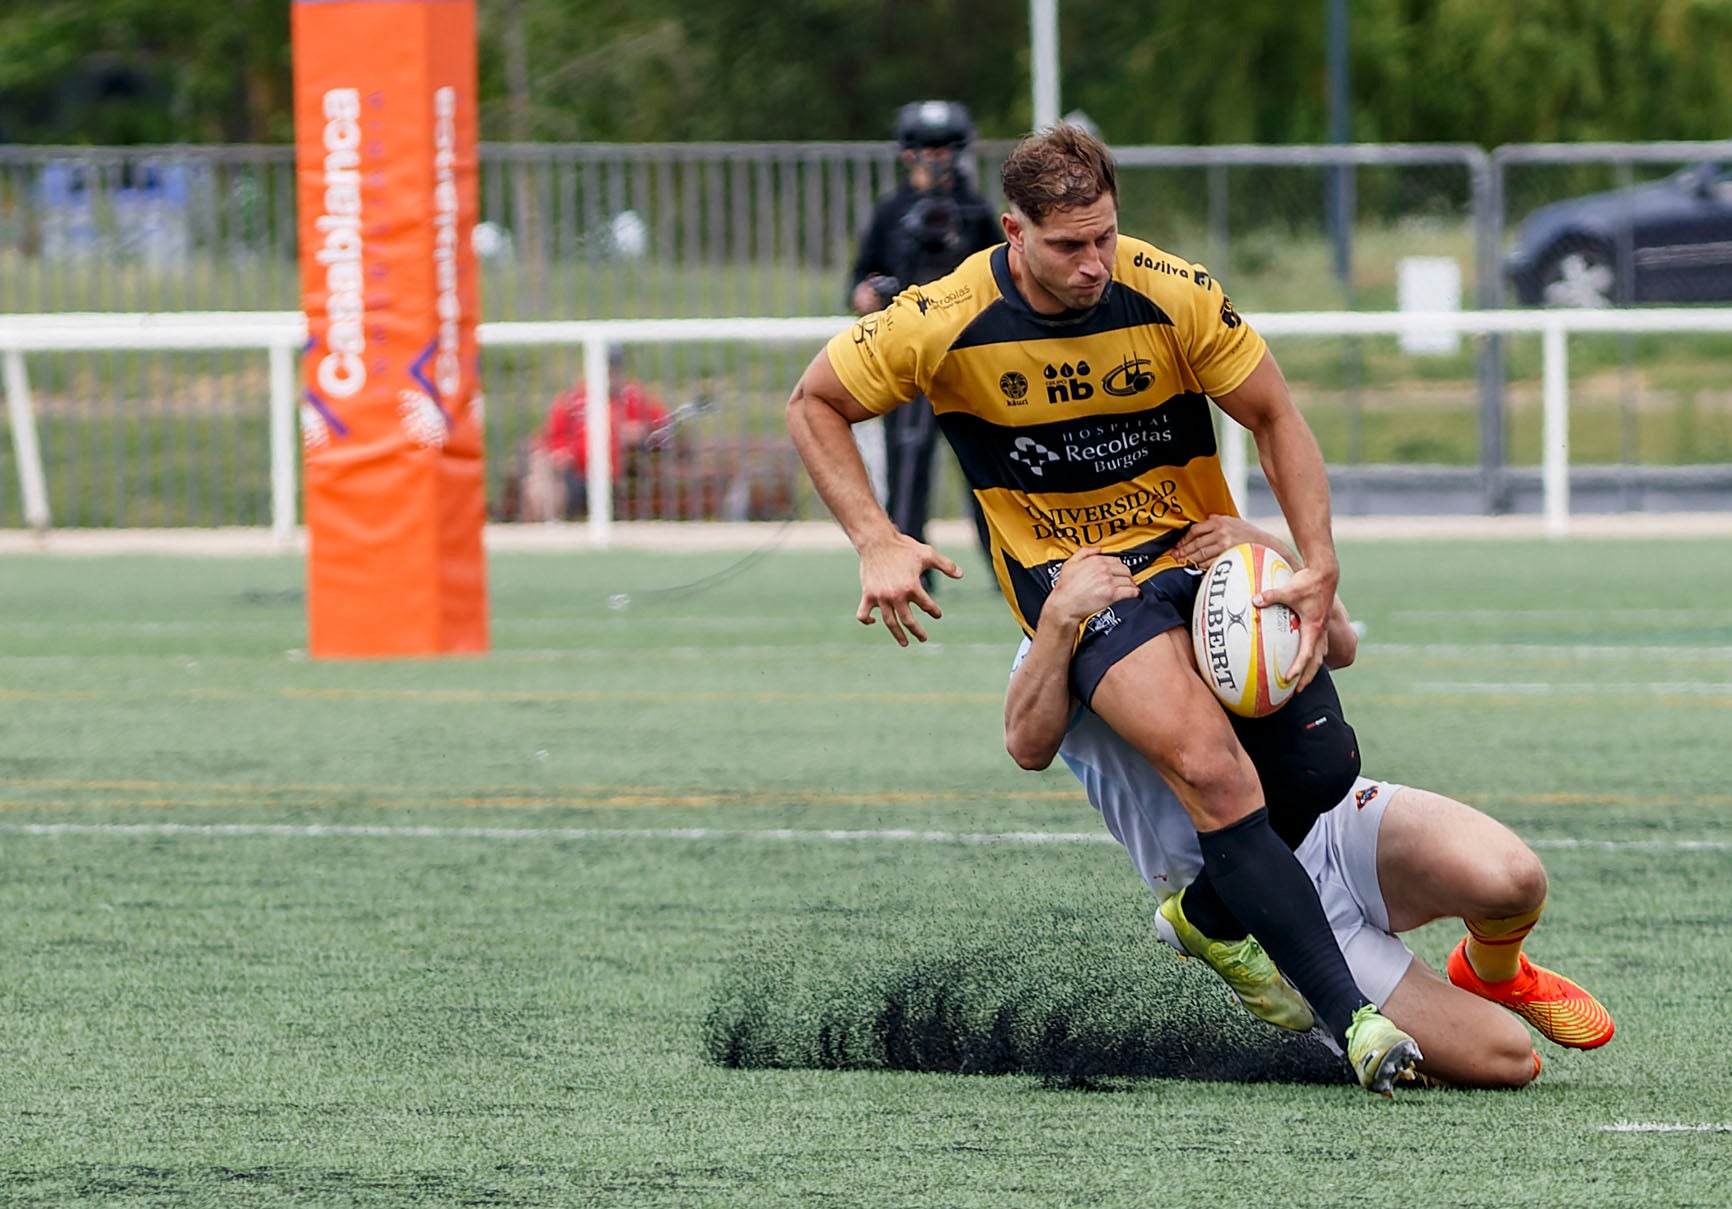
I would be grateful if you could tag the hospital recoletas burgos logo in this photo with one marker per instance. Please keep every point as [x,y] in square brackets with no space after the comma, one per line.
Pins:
[1033,454]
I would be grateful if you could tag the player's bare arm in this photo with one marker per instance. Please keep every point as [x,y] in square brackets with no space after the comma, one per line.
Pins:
[1294,467]
[1213,536]
[1038,704]
[821,413]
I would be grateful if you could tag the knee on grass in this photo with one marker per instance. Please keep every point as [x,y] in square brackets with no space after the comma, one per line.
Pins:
[1511,1061]
[1499,1058]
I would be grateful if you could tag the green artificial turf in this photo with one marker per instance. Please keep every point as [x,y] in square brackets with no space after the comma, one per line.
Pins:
[276,931]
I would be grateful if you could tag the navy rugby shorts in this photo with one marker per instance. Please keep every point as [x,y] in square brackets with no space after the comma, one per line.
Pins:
[1115,632]
[1305,753]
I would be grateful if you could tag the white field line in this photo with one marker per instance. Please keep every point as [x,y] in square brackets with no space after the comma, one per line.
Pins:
[1553,615]
[624,655]
[783,834]
[1547,688]
[1635,845]
[1369,651]
[196,625]
[699,536]
[1546,650]
[1661,1127]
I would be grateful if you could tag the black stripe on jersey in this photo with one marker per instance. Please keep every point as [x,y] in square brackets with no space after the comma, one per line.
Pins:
[1010,319]
[1032,585]
[1082,454]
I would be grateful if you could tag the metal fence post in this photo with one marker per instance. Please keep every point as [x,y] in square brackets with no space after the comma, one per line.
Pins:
[1488,203]
[598,433]
[284,447]
[1555,441]
[1235,464]
[26,450]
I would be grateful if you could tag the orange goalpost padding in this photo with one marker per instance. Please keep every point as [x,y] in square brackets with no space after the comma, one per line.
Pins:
[385,162]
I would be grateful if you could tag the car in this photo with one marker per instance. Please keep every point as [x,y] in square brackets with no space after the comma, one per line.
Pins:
[1669,240]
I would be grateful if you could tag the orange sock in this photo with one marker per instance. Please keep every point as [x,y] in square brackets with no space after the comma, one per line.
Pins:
[1494,946]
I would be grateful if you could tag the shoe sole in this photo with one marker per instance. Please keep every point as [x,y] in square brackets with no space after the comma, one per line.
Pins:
[1397,1063]
[1541,1017]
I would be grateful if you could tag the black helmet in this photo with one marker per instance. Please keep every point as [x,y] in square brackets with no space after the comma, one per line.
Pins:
[933,124]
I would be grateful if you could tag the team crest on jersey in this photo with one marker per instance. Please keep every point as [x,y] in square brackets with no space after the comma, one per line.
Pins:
[1129,377]
[1103,621]
[1365,797]
[1015,388]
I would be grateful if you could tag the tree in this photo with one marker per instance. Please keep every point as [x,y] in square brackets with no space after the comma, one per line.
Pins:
[125,71]
[131,71]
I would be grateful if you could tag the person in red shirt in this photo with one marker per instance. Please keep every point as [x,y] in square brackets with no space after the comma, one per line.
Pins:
[555,482]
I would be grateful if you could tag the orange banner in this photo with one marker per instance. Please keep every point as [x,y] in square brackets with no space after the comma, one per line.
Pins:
[385,158]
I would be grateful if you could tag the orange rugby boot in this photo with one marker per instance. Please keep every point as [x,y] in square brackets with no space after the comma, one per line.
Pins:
[1563,1012]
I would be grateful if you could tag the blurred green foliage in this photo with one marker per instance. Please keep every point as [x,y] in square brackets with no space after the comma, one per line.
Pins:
[138,71]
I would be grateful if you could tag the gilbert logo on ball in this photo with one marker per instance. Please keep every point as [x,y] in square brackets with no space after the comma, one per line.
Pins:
[1244,652]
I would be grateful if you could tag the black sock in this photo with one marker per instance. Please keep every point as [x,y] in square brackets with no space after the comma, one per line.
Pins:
[1203,905]
[1262,883]
[1208,914]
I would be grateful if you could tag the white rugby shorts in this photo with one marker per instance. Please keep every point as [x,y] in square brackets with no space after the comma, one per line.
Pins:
[1340,854]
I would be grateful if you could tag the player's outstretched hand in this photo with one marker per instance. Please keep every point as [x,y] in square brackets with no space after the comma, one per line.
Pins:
[890,584]
[1310,594]
[1208,539]
[1088,582]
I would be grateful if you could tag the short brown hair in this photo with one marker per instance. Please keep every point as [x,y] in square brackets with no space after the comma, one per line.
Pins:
[1060,168]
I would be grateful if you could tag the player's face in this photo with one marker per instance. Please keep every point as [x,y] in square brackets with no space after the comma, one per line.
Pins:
[1070,255]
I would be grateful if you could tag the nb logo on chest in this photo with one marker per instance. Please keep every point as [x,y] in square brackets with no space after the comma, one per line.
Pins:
[1067,384]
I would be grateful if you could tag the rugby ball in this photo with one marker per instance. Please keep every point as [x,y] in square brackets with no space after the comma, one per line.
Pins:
[1243,651]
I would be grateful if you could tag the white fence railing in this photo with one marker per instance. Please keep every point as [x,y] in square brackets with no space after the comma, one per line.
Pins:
[281,334]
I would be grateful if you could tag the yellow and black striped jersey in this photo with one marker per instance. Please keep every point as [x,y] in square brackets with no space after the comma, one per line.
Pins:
[1089,428]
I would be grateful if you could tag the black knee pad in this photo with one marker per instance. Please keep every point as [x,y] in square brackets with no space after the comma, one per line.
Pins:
[1306,756]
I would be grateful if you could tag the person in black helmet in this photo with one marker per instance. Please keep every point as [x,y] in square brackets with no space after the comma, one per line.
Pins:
[933,222]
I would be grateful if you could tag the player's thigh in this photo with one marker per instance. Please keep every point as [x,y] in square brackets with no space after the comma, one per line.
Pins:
[1153,697]
[1467,1041]
[1439,858]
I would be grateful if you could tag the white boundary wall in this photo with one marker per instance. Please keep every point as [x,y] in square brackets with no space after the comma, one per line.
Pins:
[281,334]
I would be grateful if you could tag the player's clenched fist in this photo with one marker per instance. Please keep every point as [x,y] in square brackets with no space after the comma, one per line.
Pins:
[1088,582]
[890,584]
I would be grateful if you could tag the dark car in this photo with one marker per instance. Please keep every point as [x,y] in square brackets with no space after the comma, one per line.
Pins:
[1666,241]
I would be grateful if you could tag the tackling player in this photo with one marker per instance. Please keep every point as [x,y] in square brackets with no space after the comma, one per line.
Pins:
[1388,858]
[1071,371]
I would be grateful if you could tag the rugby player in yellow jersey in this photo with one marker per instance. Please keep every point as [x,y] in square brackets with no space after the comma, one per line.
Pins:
[1071,371]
